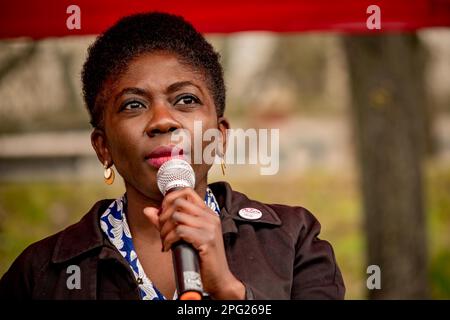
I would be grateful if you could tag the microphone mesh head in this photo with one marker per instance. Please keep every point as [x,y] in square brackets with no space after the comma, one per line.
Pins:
[175,173]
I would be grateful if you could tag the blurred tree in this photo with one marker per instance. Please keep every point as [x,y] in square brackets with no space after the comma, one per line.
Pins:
[391,129]
[14,61]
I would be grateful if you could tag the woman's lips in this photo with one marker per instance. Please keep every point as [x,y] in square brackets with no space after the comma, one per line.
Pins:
[162,154]
[158,162]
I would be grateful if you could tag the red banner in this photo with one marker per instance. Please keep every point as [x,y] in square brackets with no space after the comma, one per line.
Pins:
[55,18]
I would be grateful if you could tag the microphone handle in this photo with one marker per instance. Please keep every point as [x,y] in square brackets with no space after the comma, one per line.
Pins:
[186,268]
[187,271]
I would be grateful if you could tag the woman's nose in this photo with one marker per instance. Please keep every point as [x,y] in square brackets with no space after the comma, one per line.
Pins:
[161,121]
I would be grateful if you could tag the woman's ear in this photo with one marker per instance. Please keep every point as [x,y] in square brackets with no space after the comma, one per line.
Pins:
[100,144]
[223,125]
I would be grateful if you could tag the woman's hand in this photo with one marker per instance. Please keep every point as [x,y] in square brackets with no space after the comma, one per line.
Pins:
[185,216]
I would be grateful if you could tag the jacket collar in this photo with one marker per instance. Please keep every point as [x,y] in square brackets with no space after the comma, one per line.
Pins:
[83,236]
[86,235]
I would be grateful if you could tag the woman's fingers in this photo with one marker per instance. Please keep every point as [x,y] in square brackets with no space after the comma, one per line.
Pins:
[172,237]
[153,214]
[189,207]
[168,225]
[181,209]
[185,193]
[184,212]
[189,234]
[180,204]
[166,214]
[202,235]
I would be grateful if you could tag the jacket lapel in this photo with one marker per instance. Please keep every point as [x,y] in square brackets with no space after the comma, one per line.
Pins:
[231,202]
[81,237]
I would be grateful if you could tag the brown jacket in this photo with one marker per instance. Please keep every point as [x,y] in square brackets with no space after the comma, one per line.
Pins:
[277,256]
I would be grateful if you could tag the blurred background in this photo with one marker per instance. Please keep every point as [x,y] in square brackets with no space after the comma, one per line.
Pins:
[364,144]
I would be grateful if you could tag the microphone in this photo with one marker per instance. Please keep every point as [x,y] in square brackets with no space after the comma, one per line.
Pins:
[173,175]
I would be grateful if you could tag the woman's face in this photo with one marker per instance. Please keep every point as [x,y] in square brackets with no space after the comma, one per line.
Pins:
[155,96]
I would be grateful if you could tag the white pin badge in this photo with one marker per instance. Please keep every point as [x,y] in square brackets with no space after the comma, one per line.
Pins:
[250,213]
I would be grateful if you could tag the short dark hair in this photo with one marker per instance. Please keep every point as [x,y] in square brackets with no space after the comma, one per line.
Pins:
[143,33]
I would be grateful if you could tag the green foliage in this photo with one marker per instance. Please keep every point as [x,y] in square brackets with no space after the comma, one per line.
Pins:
[32,211]
[438,196]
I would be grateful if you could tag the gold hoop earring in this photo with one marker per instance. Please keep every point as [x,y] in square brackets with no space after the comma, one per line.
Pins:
[108,174]
[222,165]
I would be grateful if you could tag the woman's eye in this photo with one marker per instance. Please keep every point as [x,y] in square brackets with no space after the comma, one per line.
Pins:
[188,99]
[133,105]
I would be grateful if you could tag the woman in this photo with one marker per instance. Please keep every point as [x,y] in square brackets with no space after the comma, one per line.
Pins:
[147,77]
